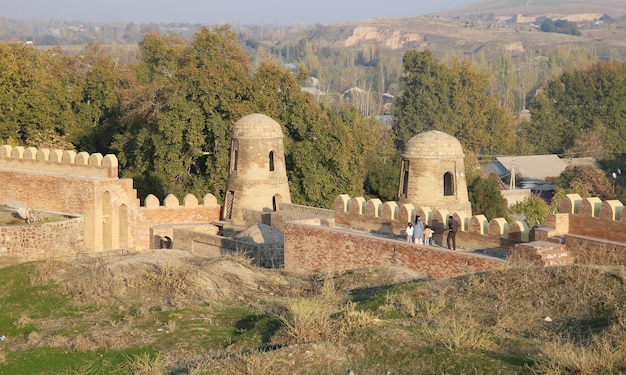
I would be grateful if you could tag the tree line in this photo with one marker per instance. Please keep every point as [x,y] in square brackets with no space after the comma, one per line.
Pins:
[167,113]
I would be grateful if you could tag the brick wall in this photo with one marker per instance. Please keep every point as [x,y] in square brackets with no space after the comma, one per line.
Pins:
[308,245]
[40,241]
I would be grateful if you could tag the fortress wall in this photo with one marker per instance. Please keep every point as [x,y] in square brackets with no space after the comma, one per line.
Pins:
[594,230]
[591,217]
[211,245]
[336,249]
[172,212]
[41,241]
[390,217]
[68,162]
[88,185]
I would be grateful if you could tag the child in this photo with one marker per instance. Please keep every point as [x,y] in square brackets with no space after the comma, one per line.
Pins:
[409,233]
[428,235]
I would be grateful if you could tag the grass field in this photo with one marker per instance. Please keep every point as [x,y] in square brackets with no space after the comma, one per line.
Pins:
[172,313]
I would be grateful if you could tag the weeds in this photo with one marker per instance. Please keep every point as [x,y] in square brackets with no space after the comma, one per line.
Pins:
[145,364]
[460,334]
[171,280]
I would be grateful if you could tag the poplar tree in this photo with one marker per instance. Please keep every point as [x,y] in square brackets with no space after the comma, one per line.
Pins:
[454,99]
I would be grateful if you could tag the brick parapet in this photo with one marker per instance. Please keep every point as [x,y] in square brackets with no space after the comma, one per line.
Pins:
[69,162]
[394,218]
[171,212]
[309,245]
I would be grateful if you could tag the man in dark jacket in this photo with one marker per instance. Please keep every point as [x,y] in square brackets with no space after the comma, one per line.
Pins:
[453,227]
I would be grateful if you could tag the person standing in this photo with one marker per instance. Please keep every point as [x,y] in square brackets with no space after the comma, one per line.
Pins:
[409,232]
[418,232]
[428,235]
[453,227]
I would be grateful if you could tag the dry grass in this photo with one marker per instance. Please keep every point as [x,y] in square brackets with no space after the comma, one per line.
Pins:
[239,256]
[600,353]
[145,364]
[463,333]
[326,316]
[171,280]
[277,322]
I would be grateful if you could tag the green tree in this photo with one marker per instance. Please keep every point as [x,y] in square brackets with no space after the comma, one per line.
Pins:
[585,180]
[486,199]
[451,98]
[579,103]
[179,112]
[94,74]
[384,168]
[533,208]
[331,159]
[36,94]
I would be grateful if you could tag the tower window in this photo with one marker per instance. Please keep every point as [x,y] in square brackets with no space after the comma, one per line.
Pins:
[404,183]
[271,161]
[448,184]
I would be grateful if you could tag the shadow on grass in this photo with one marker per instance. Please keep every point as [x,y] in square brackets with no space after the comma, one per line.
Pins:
[264,326]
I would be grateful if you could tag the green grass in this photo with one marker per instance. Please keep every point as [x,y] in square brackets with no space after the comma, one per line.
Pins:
[45,361]
[477,324]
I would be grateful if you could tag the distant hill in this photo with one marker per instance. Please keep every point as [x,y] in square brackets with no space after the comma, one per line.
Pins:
[489,26]
[566,8]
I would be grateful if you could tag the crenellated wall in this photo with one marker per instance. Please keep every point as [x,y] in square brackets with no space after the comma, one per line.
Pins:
[87,186]
[58,161]
[476,232]
[593,230]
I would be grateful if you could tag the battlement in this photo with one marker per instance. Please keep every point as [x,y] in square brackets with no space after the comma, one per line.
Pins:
[171,201]
[392,217]
[610,210]
[65,162]
[172,212]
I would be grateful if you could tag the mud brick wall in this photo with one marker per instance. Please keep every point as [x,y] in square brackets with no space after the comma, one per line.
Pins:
[41,241]
[311,246]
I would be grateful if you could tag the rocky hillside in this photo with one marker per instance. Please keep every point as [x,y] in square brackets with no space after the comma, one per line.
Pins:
[572,10]
[491,27]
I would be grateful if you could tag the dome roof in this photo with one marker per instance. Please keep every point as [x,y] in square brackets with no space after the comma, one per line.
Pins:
[257,125]
[433,144]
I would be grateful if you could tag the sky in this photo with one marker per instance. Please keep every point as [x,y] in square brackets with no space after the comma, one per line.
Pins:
[211,12]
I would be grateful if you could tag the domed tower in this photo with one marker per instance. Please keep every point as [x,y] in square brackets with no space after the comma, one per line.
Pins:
[257,178]
[433,173]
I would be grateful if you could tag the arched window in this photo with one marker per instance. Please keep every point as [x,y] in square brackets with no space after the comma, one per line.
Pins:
[271,161]
[404,182]
[448,184]
[234,156]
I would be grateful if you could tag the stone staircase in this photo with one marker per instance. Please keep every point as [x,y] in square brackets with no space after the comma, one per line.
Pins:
[542,253]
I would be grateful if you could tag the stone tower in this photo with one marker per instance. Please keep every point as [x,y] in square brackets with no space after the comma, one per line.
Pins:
[257,178]
[433,173]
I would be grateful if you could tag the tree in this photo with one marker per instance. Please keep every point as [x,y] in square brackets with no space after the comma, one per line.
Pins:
[383,174]
[451,98]
[579,105]
[534,209]
[179,112]
[331,159]
[486,199]
[584,180]
[36,94]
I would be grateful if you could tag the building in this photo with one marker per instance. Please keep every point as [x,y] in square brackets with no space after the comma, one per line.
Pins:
[257,179]
[433,173]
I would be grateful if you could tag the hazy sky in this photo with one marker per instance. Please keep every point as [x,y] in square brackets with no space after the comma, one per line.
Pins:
[280,12]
